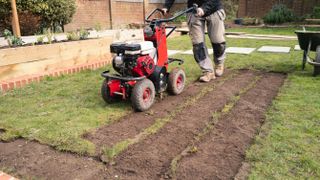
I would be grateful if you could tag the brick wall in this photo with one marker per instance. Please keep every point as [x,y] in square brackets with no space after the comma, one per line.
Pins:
[259,8]
[90,13]
[123,12]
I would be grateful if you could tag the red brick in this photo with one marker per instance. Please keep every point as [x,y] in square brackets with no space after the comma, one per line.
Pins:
[11,85]
[18,84]
[23,82]
[4,86]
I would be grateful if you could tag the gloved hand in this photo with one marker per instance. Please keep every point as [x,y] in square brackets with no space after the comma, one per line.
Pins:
[200,12]
[165,11]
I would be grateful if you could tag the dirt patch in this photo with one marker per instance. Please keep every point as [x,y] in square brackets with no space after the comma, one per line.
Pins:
[134,123]
[221,153]
[150,158]
[32,160]
[243,172]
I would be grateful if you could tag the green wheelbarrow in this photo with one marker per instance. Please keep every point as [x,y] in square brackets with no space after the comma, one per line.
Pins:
[310,41]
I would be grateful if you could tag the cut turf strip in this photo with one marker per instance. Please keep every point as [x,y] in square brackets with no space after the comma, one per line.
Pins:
[150,157]
[134,123]
[221,153]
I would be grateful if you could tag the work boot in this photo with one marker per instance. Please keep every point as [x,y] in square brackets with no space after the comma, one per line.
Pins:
[207,77]
[219,69]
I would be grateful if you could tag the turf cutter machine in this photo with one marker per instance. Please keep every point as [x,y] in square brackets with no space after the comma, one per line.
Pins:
[142,67]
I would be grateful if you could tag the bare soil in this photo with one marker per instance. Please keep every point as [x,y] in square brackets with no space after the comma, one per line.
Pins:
[134,123]
[220,153]
[151,158]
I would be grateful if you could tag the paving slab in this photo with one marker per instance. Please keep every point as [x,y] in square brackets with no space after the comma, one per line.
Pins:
[240,50]
[190,52]
[297,48]
[274,49]
[173,52]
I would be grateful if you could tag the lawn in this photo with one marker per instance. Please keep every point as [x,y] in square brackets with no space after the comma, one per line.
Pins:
[58,111]
[270,30]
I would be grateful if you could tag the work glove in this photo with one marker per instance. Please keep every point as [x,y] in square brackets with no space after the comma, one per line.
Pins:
[165,11]
[200,12]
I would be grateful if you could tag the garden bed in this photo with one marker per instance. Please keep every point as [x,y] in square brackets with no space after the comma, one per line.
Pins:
[40,59]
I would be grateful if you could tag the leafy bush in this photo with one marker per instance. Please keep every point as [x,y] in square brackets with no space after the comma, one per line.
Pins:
[51,12]
[279,14]
[316,12]
[231,8]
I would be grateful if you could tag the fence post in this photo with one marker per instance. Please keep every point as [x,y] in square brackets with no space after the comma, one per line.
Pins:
[15,19]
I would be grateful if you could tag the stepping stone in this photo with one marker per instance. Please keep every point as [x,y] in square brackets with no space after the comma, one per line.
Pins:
[240,50]
[173,52]
[190,52]
[297,48]
[274,49]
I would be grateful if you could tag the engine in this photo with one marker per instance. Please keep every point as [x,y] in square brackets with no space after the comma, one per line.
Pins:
[130,65]
[134,59]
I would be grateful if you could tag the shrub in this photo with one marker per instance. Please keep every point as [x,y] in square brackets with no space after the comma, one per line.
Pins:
[52,13]
[279,14]
[231,8]
[316,12]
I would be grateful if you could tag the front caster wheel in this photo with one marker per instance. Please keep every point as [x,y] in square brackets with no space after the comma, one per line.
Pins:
[176,81]
[105,93]
[143,95]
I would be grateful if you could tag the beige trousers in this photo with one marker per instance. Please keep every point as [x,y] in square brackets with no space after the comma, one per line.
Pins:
[216,31]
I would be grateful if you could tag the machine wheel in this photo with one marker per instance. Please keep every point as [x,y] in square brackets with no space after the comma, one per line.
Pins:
[105,93]
[143,95]
[176,81]
[317,68]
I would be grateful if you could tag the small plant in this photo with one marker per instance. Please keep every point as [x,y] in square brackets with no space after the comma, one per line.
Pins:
[49,35]
[40,39]
[279,14]
[11,39]
[73,36]
[84,34]
[98,26]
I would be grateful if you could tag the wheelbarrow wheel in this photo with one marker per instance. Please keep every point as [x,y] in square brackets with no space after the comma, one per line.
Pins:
[143,95]
[317,68]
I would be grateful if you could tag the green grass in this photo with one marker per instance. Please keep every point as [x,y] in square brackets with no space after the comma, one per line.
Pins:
[266,30]
[58,111]
[289,145]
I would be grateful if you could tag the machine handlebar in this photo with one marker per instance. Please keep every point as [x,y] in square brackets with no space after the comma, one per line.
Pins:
[192,9]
